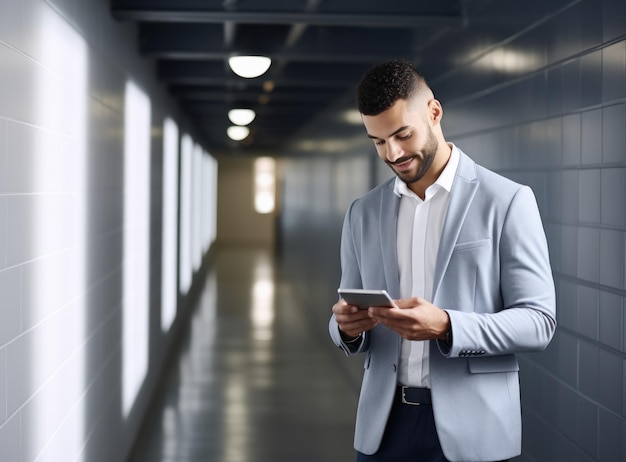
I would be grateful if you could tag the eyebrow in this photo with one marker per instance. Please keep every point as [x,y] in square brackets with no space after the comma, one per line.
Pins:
[394,133]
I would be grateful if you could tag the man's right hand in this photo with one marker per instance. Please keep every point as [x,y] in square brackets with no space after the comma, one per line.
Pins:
[351,320]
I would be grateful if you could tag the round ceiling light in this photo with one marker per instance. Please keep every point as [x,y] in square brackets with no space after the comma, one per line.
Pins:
[237,133]
[241,116]
[249,67]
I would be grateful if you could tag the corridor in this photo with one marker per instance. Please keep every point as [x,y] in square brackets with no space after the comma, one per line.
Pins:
[256,378]
[140,322]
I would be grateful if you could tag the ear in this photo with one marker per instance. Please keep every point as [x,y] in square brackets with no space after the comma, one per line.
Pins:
[435,111]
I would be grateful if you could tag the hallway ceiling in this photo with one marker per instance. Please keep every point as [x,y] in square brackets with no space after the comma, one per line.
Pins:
[319,50]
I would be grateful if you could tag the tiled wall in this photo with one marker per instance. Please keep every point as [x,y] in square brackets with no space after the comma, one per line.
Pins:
[537,91]
[63,70]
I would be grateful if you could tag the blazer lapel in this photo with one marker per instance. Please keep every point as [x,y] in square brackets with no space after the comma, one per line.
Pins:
[388,223]
[461,196]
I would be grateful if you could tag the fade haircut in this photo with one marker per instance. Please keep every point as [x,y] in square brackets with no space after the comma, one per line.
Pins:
[384,84]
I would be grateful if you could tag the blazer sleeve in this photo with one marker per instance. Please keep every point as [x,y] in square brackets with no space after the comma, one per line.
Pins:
[527,319]
[350,278]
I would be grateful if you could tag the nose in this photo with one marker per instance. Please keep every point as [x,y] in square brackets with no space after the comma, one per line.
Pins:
[394,151]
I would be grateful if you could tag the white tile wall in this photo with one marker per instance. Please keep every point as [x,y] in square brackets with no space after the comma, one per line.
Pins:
[16,86]
[3,390]
[10,439]
[32,168]
[61,228]
[10,314]
[3,231]
[3,155]
[10,21]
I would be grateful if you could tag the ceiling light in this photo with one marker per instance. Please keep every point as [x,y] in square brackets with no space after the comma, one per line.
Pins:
[237,133]
[241,116]
[249,67]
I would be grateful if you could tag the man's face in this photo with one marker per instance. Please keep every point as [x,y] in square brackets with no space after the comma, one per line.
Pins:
[404,139]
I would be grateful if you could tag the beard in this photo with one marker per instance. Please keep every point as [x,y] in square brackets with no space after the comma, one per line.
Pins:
[424,161]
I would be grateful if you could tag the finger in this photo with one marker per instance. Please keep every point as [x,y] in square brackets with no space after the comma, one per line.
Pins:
[408,302]
[357,327]
[351,315]
[343,308]
[384,312]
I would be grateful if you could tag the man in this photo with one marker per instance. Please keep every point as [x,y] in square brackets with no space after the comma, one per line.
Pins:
[463,252]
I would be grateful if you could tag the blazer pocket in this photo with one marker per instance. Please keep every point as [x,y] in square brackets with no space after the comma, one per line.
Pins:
[491,364]
[463,246]
[470,265]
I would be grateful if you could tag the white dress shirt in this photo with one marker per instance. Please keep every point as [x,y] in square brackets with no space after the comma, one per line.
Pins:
[419,231]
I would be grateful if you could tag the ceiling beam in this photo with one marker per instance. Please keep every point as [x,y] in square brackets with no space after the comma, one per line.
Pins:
[204,96]
[313,19]
[291,56]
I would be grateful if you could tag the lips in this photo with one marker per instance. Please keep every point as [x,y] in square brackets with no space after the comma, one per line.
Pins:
[403,164]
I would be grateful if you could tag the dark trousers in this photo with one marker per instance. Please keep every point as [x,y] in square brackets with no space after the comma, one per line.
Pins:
[410,436]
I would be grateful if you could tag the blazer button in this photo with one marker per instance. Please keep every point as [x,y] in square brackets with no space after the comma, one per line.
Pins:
[395,368]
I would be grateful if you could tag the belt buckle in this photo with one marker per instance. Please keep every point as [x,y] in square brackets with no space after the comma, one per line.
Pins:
[404,400]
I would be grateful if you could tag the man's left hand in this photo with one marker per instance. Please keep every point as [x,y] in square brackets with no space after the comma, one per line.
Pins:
[413,319]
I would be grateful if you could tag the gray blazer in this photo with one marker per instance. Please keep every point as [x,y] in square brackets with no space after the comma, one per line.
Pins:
[492,276]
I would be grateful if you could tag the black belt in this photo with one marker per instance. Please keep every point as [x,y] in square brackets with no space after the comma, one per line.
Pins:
[413,396]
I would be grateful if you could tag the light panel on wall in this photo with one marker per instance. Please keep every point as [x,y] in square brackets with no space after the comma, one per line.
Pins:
[169,238]
[52,309]
[137,120]
[212,199]
[186,175]
[197,210]
[209,206]
[264,184]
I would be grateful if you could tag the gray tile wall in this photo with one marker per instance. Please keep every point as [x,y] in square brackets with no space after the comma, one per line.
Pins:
[63,69]
[559,125]
[537,91]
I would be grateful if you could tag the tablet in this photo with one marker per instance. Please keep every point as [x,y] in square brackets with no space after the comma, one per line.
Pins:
[365,298]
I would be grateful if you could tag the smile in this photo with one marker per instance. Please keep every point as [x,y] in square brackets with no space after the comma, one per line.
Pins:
[403,164]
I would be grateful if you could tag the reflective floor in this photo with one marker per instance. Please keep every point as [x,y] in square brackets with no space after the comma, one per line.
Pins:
[257,378]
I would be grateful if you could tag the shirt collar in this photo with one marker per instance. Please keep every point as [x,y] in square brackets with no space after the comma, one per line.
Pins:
[445,180]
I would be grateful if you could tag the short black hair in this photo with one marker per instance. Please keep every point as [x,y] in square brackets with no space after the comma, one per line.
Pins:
[384,84]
